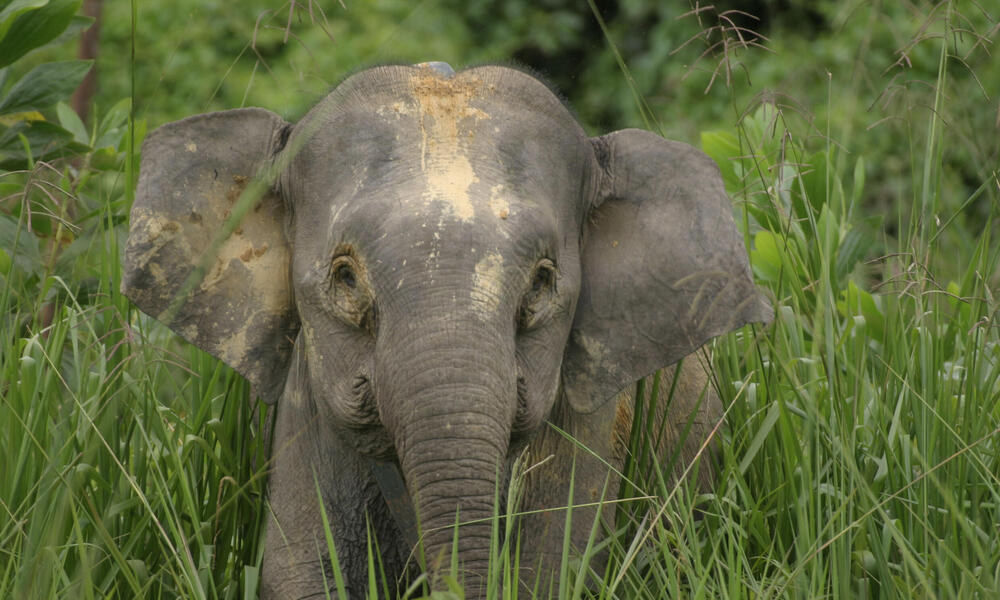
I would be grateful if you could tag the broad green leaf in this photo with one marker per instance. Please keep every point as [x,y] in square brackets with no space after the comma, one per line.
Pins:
[45,85]
[766,256]
[116,117]
[26,254]
[105,158]
[959,303]
[112,126]
[855,245]
[12,11]
[71,122]
[955,293]
[859,180]
[37,133]
[76,25]
[43,139]
[814,182]
[856,301]
[8,188]
[36,28]
[764,130]
[828,230]
[723,147]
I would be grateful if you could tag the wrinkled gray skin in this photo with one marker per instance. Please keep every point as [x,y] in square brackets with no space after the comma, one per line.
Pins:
[445,264]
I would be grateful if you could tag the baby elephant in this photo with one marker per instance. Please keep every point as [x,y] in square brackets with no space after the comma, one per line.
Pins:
[431,273]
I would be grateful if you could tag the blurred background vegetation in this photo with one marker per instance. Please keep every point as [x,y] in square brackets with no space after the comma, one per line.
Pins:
[855,71]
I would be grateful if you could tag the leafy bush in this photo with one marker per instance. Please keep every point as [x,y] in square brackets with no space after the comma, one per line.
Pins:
[25,134]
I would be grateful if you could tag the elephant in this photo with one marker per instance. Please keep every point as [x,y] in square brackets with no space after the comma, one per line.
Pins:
[431,275]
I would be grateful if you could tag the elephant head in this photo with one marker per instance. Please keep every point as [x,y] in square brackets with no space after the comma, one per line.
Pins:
[449,255]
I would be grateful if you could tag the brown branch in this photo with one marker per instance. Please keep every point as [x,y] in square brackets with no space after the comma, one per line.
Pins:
[84,95]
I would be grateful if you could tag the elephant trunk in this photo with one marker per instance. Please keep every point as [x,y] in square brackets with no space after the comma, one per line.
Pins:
[451,464]
[448,405]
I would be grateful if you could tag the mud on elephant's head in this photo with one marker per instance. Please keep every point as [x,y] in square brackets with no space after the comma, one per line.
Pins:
[449,255]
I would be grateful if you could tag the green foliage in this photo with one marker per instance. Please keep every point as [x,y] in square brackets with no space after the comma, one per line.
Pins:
[25,134]
[129,459]
[44,85]
[29,24]
[868,69]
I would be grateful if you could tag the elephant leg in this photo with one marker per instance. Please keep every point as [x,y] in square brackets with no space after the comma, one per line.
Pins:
[309,459]
[550,459]
[687,412]
[685,415]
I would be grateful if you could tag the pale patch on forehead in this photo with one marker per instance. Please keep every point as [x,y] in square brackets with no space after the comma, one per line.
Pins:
[487,280]
[443,105]
[448,182]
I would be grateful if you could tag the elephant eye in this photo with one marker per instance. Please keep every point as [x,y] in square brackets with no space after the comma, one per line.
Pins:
[544,276]
[542,279]
[350,296]
[538,298]
[344,274]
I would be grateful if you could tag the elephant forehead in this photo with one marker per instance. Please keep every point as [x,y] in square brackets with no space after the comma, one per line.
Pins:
[496,209]
[429,123]
[400,221]
[453,148]
[460,146]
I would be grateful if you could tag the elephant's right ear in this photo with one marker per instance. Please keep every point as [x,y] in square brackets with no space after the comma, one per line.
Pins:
[234,300]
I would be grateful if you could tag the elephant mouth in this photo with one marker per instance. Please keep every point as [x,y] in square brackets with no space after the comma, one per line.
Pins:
[397,500]
[523,417]
[361,425]
[362,410]
[531,412]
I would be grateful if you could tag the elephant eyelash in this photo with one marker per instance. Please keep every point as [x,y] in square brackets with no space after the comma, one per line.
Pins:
[343,261]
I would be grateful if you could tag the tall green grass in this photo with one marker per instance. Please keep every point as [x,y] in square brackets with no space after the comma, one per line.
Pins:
[861,460]
[133,466]
[861,456]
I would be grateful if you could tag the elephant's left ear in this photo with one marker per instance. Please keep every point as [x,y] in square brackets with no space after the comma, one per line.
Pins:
[207,259]
[664,268]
